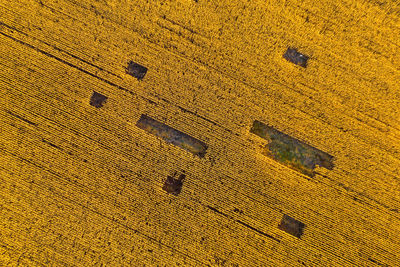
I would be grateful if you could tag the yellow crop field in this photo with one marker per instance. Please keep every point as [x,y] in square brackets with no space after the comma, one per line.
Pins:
[199,133]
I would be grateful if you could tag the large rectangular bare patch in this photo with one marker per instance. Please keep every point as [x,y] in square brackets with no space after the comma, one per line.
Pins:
[172,135]
[290,151]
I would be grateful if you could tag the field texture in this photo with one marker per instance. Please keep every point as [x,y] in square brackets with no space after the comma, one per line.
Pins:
[199,133]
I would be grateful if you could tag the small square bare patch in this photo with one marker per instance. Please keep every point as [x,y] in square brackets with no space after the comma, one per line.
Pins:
[292,55]
[136,70]
[97,100]
[291,226]
[174,185]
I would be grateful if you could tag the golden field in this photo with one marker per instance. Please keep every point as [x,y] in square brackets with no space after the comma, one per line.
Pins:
[85,186]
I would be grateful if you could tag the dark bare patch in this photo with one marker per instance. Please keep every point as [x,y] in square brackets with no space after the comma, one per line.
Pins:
[291,226]
[290,151]
[136,70]
[172,135]
[173,184]
[97,100]
[292,55]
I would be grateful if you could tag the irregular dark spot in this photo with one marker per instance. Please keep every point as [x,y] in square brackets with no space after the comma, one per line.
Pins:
[290,151]
[302,263]
[172,135]
[238,210]
[291,226]
[97,100]
[174,185]
[376,262]
[219,261]
[136,70]
[292,55]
